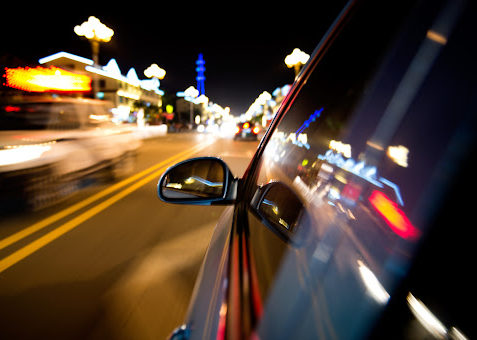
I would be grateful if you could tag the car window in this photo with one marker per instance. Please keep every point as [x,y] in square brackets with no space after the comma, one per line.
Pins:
[39,116]
[364,193]
[97,115]
[64,117]
[312,126]
[29,116]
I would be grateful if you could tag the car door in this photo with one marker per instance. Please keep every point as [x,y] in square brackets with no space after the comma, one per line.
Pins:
[344,188]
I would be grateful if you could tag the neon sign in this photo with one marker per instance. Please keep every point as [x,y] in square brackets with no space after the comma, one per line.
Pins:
[307,122]
[200,74]
[361,169]
[41,79]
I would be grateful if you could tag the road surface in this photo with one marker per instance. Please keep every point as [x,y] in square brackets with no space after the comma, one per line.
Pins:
[112,261]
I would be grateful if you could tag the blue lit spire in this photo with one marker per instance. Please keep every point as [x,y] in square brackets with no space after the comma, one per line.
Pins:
[200,74]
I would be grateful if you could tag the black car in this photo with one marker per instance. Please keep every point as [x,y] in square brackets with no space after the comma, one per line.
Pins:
[354,218]
[246,130]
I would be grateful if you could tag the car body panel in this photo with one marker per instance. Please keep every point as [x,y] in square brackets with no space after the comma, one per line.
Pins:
[368,214]
[63,140]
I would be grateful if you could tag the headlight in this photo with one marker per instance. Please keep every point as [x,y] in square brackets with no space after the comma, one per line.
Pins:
[22,153]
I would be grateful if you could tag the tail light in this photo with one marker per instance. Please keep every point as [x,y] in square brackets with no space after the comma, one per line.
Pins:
[10,108]
[394,217]
[246,125]
[255,130]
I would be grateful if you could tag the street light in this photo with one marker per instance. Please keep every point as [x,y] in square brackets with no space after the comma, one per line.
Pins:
[96,32]
[155,71]
[192,93]
[296,59]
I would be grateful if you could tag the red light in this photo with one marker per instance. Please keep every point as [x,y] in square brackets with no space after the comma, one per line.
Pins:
[41,79]
[10,108]
[246,125]
[394,217]
[256,130]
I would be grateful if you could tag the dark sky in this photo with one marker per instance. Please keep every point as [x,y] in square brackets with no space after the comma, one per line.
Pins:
[244,44]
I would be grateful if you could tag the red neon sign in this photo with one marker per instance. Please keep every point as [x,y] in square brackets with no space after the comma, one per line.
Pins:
[52,79]
[394,217]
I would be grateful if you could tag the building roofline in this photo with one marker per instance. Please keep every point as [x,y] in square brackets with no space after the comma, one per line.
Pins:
[67,55]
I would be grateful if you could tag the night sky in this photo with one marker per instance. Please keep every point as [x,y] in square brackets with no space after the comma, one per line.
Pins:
[244,44]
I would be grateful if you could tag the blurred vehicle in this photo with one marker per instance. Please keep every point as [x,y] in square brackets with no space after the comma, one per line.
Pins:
[246,130]
[354,218]
[48,145]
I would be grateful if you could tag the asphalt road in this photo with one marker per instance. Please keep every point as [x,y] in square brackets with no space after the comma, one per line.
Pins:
[112,261]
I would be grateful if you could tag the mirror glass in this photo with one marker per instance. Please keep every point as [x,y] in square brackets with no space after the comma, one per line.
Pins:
[194,179]
[280,206]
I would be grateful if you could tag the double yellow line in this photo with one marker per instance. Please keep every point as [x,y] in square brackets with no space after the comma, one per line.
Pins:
[151,173]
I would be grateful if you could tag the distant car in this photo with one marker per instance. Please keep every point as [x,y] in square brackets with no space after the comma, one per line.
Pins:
[246,130]
[354,218]
[48,145]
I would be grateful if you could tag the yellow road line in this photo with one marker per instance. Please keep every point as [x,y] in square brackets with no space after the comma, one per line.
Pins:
[29,249]
[72,209]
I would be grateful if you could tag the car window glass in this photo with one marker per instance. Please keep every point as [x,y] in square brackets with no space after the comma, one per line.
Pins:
[364,201]
[64,117]
[29,116]
[97,115]
[313,124]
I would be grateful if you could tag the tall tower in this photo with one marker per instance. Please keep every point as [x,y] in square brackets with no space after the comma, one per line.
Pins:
[200,74]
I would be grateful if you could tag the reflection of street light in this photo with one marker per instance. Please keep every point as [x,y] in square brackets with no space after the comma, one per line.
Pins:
[296,60]
[155,71]
[95,31]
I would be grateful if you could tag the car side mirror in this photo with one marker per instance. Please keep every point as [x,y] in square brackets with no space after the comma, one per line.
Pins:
[280,209]
[200,181]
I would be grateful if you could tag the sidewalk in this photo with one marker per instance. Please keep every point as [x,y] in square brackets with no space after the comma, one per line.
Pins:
[150,131]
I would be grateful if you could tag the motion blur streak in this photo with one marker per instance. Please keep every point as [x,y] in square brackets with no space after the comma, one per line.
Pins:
[51,236]
[22,153]
[374,287]
[394,217]
[425,317]
[52,79]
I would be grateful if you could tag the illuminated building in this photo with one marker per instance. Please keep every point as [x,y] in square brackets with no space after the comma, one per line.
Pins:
[122,91]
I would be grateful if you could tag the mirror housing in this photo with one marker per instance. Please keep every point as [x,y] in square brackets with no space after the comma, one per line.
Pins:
[280,209]
[198,181]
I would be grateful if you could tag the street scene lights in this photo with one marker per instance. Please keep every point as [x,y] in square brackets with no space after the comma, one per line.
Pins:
[154,71]
[96,32]
[296,59]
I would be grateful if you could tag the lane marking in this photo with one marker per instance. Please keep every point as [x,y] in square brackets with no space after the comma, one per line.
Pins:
[72,209]
[32,247]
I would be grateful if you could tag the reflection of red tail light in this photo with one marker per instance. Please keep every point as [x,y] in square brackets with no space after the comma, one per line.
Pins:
[12,108]
[256,130]
[394,217]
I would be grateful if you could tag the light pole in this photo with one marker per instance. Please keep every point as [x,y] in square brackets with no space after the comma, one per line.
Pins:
[192,93]
[96,32]
[296,59]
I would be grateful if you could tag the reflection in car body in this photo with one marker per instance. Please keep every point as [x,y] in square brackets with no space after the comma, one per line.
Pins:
[380,209]
[49,145]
